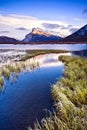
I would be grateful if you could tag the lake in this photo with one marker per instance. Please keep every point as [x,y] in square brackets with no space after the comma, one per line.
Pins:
[29,97]
[69,47]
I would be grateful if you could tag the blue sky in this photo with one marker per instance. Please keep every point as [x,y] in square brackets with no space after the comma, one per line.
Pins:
[15,15]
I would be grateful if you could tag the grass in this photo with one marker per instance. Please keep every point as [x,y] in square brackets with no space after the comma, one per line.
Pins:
[70,98]
[6,73]
[33,53]
[69,94]
[11,71]
[24,64]
[1,81]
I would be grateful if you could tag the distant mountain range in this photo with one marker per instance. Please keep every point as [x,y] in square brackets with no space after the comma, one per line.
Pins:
[38,35]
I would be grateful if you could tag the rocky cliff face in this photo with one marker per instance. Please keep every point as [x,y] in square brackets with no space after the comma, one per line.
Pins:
[38,35]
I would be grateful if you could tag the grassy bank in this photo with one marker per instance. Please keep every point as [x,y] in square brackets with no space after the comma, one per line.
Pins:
[10,71]
[33,53]
[70,98]
[15,67]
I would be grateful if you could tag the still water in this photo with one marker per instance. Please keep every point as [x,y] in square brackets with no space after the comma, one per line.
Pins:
[27,99]
[69,47]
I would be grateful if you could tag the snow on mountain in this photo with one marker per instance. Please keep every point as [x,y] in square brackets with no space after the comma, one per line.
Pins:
[78,36]
[38,35]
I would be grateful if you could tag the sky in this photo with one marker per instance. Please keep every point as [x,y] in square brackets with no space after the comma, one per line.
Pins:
[59,17]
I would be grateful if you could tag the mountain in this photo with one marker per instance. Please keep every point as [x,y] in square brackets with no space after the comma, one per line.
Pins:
[44,37]
[78,36]
[38,35]
[4,39]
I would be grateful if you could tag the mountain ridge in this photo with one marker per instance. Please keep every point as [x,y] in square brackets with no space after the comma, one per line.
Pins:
[78,36]
[6,39]
[38,35]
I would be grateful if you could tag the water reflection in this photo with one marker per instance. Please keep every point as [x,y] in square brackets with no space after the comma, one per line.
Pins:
[48,60]
[82,53]
[2,88]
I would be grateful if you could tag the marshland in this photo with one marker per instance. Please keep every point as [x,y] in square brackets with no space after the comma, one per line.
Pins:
[44,89]
[13,62]
[70,98]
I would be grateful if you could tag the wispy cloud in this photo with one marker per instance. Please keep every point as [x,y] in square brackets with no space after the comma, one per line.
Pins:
[18,20]
[50,26]
[2,32]
[84,11]
[60,29]
[21,29]
[65,27]
[80,19]
[56,26]
[23,17]
[25,21]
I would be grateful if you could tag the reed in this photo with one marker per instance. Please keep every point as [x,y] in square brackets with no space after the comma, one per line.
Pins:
[1,80]
[70,98]
[5,72]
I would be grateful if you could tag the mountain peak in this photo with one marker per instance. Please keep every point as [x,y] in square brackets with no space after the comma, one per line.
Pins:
[79,36]
[39,35]
[81,32]
[40,32]
[34,29]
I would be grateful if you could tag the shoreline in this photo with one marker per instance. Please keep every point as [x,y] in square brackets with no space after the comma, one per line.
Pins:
[40,43]
[69,95]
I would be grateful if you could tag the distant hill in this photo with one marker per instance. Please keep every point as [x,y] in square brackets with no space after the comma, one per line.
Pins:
[78,36]
[4,39]
[38,35]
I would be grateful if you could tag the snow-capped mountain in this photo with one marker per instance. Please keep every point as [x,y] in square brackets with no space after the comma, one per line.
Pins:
[38,35]
[78,36]
[4,39]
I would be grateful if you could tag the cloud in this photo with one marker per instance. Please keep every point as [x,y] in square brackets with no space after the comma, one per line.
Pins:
[22,29]
[58,29]
[4,31]
[84,11]
[72,30]
[55,26]
[28,21]
[16,16]
[18,20]
[66,27]
[14,23]
[80,20]
[20,25]
[50,26]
